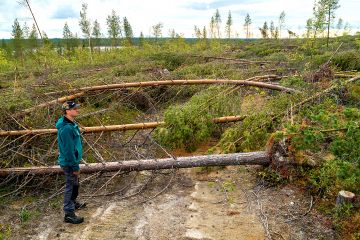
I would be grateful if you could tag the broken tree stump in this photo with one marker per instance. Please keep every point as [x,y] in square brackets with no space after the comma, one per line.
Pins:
[345,197]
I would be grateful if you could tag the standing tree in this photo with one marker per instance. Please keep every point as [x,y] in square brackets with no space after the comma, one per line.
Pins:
[141,39]
[33,38]
[197,32]
[229,24]
[329,7]
[128,32]
[318,20]
[18,38]
[85,26]
[339,25]
[114,29]
[217,19]
[96,33]
[67,36]
[281,22]
[212,27]
[247,25]
[204,34]
[157,30]
[272,30]
[309,27]
[264,30]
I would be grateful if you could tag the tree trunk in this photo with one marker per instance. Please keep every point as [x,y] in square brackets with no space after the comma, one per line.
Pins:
[124,127]
[157,83]
[345,197]
[251,158]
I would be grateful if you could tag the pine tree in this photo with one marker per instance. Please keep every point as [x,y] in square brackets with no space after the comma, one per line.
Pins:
[85,25]
[272,30]
[264,30]
[329,7]
[339,25]
[96,33]
[204,33]
[281,22]
[113,25]
[247,25]
[128,32]
[212,27]
[141,39]
[157,30]
[33,38]
[229,24]
[217,19]
[197,31]
[309,27]
[67,37]
[18,39]
[319,19]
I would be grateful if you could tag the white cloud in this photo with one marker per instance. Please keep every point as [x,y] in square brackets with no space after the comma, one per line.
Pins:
[173,14]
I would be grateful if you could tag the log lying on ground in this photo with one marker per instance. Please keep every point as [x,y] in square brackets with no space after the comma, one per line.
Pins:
[82,91]
[251,158]
[240,60]
[124,127]
[271,77]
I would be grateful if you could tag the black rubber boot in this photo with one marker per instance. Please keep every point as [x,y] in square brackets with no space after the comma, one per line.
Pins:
[72,218]
[79,205]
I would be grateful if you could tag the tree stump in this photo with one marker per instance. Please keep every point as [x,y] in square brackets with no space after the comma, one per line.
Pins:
[345,197]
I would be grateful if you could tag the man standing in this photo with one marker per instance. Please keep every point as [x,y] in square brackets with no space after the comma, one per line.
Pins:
[70,154]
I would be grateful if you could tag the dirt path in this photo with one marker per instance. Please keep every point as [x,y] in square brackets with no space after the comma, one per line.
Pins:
[223,204]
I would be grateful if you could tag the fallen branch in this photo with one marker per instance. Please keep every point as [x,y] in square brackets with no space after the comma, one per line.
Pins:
[124,127]
[250,158]
[82,91]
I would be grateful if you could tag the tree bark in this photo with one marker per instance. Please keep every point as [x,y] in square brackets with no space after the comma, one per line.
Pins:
[251,158]
[345,197]
[124,127]
[83,90]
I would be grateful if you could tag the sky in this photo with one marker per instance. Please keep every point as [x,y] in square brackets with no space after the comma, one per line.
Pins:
[180,15]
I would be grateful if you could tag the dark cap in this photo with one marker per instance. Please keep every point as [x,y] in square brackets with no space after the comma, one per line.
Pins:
[70,105]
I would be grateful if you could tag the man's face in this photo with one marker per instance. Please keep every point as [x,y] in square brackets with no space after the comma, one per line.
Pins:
[74,112]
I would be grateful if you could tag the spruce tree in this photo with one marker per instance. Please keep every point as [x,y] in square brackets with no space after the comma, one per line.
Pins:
[229,24]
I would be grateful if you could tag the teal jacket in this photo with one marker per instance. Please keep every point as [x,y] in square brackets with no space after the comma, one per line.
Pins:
[69,143]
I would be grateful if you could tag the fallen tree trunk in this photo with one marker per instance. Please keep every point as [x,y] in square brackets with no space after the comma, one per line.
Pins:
[124,127]
[251,158]
[240,60]
[83,90]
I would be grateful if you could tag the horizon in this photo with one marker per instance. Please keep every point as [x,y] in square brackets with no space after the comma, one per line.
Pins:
[181,16]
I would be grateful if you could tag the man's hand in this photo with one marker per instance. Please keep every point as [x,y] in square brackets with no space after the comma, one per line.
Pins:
[77,173]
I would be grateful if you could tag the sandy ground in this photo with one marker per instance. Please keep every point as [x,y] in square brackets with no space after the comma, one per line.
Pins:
[223,204]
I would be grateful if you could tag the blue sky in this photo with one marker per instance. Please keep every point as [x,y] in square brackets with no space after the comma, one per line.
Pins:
[181,15]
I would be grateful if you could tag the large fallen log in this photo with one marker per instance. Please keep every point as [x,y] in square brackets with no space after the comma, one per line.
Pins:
[239,60]
[83,90]
[251,158]
[109,128]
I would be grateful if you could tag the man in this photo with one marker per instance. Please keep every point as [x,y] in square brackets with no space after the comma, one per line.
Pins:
[70,154]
